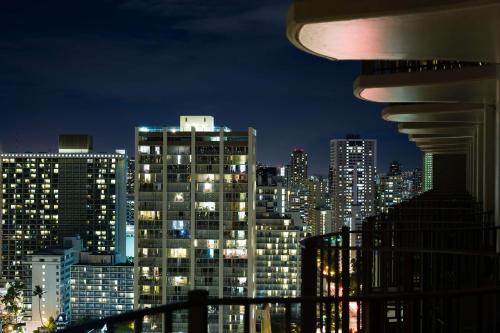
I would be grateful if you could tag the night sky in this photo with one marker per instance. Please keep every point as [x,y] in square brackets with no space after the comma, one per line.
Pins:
[103,67]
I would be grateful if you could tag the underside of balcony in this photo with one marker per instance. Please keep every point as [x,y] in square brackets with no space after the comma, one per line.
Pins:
[473,84]
[393,30]
[434,112]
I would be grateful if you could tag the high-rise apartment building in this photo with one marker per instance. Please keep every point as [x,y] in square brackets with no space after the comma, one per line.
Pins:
[130,176]
[389,192]
[195,215]
[412,183]
[298,201]
[49,196]
[100,287]
[394,168]
[278,257]
[51,272]
[318,205]
[389,188]
[323,221]
[353,167]
[271,191]
[428,177]
[298,169]
[277,238]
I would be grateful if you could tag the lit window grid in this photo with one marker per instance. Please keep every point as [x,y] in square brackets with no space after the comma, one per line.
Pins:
[191,196]
[31,204]
[100,291]
[277,259]
[349,156]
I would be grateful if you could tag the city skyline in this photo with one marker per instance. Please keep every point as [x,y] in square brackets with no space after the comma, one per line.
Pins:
[140,65]
[196,166]
[316,170]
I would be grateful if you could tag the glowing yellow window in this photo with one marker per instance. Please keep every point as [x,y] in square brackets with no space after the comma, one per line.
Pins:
[177,253]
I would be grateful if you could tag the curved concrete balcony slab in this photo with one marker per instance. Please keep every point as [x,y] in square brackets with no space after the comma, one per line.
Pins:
[391,29]
[443,141]
[435,128]
[434,112]
[445,151]
[423,137]
[443,146]
[467,85]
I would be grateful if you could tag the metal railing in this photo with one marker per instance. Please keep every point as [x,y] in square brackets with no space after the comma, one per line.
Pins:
[375,67]
[429,265]
[198,303]
[438,245]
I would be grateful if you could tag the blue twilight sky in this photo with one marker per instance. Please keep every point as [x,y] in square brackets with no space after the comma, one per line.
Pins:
[103,67]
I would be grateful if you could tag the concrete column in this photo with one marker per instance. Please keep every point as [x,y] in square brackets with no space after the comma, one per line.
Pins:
[479,160]
[136,218]
[473,164]
[468,169]
[251,241]
[489,158]
[497,158]
[221,227]
[192,212]
[164,221]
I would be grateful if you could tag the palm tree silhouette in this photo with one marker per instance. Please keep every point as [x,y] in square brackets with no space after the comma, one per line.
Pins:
[12,300]
[39,292]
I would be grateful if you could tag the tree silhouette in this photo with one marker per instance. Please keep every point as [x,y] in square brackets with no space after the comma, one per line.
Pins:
[38,292]
[12,301]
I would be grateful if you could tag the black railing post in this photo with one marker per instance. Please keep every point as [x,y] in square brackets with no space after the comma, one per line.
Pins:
[138,325]
[167,322]
[288,318]
[336,268]
[198,311]
[246,318]
[345,278]
[309,286]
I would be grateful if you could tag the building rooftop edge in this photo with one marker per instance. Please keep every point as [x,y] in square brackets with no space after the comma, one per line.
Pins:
[67,155]
[175,129]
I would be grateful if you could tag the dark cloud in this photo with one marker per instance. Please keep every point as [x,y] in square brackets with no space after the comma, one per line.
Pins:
[103,67]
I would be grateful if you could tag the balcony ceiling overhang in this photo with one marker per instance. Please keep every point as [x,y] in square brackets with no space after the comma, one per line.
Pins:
[443,141]
[434,112]
[449,150]
[423,137]
[390,29]
[445,151]
[443,146]
[435,128]
[466,85]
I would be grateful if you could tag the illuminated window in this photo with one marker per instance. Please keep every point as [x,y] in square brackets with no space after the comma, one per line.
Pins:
[207,187]
[207,206]
[178,281]
[177,253]
[179,197]
[144,149]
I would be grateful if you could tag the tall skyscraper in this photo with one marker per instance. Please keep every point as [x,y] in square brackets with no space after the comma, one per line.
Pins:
[277,239]
[130,176]
[394,168]
[47,196]
[428,177]
[389,188]
[298,169]
[318,205]
[353,167]
[271,191]
[412,183]
[195,215]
